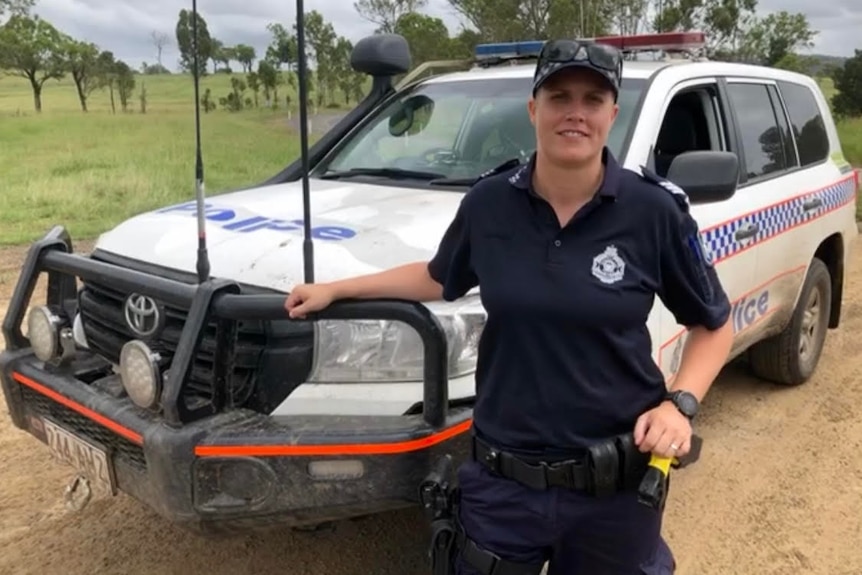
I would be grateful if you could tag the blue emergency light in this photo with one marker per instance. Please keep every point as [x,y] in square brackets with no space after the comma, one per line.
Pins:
[667,41]
[509,49]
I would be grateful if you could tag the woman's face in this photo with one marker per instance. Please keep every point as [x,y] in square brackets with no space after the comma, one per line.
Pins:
[573,111]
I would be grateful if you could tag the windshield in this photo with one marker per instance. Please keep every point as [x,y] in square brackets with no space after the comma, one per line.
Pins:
[457,129]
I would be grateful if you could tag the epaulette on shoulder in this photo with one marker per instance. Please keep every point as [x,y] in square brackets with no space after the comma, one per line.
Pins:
[678,193]
[505,166]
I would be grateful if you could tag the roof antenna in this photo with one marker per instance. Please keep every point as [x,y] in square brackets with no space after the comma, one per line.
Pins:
[203,264]
[307,245]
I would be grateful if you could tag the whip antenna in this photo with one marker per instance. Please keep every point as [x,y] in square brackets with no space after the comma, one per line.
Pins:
[203,264]
[307,245]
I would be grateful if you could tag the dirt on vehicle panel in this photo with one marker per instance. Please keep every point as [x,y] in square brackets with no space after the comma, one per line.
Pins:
[778,491]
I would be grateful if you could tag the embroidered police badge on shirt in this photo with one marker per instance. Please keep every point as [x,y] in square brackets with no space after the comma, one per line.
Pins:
[608,266]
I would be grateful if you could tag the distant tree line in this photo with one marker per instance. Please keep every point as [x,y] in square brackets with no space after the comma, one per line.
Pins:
[31,47]
[34,49]
[331,78]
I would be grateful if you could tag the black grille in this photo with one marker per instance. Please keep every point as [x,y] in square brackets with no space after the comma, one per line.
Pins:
[103,318]
[121,447]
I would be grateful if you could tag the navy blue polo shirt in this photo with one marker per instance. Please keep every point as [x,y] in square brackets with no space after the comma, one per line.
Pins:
[565,357]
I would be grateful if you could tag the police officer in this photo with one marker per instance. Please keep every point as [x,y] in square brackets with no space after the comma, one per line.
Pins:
[570,251]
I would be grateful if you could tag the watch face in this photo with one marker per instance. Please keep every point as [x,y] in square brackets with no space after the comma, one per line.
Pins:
[687,403]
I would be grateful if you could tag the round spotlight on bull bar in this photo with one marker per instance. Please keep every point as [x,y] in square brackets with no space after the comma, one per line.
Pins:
[43,331]
[140,374]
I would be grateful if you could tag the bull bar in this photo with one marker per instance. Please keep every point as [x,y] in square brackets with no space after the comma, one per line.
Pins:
[177,442]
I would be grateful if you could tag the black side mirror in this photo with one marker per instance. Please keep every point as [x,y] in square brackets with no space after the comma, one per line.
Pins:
[381,55]
[705,176]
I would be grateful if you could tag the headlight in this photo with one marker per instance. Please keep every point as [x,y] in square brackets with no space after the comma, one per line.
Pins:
[386,351]
[44,328]
[139,372]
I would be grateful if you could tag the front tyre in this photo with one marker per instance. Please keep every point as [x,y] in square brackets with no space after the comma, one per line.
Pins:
[790,357]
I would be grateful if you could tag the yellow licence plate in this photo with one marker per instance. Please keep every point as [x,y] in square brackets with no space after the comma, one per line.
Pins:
[88,459]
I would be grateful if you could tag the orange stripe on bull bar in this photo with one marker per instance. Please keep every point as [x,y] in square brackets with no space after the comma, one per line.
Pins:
[121,430]
[335,449]
[259,450]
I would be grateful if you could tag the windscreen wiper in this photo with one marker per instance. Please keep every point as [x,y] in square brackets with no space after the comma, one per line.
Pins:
[385,172]
[507,165]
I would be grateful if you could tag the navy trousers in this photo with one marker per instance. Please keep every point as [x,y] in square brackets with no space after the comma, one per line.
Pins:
[578,534]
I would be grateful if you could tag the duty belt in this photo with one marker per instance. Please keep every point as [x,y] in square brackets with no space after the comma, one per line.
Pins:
[606,467]
[570,474]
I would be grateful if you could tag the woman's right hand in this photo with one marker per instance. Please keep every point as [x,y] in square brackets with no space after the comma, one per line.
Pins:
[308,298]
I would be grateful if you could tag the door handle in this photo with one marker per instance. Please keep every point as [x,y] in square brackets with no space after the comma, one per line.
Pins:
[747,232]
[812,204]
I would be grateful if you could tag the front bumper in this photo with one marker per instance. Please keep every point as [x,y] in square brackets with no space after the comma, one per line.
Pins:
[233,469]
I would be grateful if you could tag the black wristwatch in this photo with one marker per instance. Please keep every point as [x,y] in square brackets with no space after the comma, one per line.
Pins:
[685,402]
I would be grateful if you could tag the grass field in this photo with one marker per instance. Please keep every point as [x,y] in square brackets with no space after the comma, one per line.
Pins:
[91,171]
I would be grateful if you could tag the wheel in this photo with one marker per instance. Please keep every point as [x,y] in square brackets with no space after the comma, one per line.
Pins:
[790,357]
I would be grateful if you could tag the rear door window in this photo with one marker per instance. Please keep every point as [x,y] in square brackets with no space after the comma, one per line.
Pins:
[812,142]
[764,152]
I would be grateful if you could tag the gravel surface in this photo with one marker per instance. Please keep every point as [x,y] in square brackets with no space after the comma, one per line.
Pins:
[778,491]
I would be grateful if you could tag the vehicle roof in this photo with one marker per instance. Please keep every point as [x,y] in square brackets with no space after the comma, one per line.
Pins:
[637,69]
[525,70]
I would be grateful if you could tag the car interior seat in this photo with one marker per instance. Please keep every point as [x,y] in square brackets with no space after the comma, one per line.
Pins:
[683,129]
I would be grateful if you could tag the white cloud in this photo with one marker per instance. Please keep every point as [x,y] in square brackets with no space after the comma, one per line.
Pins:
[124,26]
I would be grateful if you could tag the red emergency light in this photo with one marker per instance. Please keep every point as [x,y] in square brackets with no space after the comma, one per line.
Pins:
[667,41]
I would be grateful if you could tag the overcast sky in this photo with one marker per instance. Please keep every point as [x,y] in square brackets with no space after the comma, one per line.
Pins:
[124,26]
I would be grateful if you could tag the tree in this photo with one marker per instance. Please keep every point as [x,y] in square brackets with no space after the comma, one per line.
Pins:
[107,66]
[773,38]
[847,102]
[185,43]
[125,81]
[268,76]
[283,48]
[32,48]
[630,16]
[219,54]
[321,41]
[385,13]
[16,7]
[723,21]
[225,55]
[159,40]
[245,55]
[464,44]
[348,80]
[82,61]
[253,81]
[511,20]
[428,37]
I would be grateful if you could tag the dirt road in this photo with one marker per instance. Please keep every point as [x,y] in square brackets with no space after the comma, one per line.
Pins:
[778,491]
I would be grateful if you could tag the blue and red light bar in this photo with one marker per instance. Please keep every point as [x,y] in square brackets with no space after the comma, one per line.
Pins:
[667,41]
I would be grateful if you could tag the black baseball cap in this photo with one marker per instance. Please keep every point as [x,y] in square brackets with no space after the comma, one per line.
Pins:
[559,55]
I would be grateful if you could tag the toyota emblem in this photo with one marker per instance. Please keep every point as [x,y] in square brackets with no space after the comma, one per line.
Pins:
[143,315]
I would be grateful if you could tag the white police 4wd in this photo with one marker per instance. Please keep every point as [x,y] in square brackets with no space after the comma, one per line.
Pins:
[205,402]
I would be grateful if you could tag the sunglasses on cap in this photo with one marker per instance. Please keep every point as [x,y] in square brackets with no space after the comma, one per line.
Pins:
[598,55]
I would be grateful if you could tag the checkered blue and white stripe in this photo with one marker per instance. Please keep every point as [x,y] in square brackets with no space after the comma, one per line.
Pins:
[775,219]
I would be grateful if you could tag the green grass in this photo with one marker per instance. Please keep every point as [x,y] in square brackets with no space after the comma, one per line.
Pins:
[849,131]
[92,171]
[850,134]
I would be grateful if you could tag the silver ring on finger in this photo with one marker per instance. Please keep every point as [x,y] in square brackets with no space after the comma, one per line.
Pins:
[674,446]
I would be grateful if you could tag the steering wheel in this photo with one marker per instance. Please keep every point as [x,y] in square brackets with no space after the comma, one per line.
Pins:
[439,155]
[436,156]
